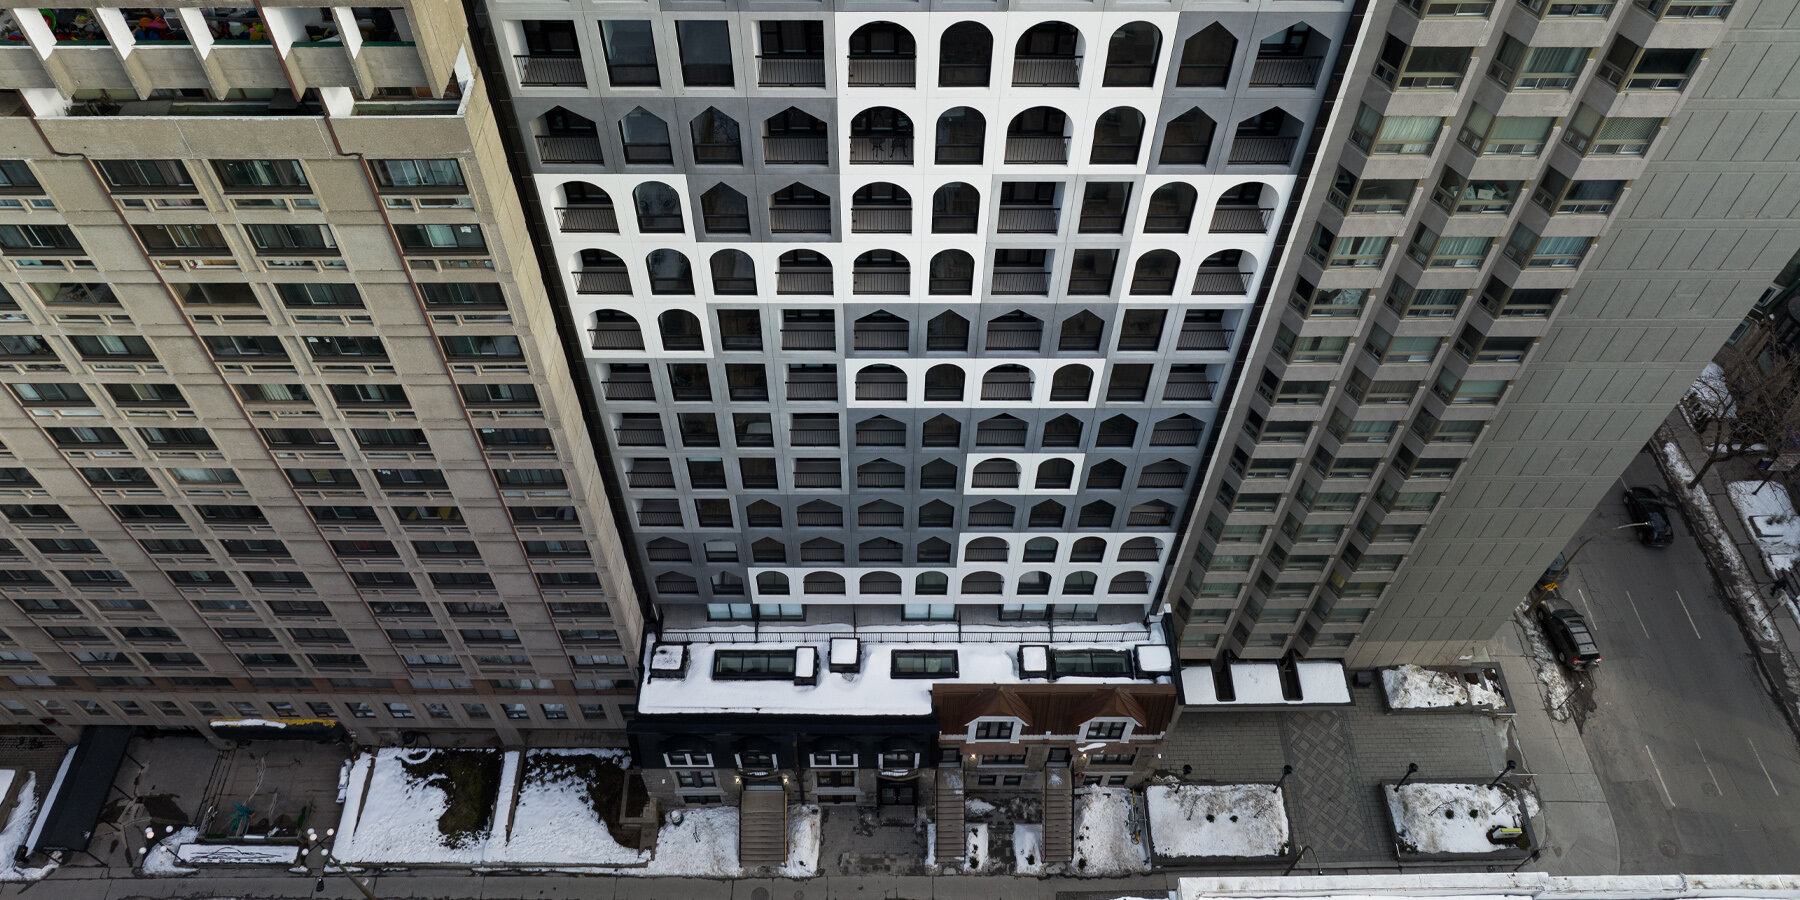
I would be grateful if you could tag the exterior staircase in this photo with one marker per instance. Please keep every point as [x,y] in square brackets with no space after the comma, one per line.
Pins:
[950,845]
[1059,815]
[762,827]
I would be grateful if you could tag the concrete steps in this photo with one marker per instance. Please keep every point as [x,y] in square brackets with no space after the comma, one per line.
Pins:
[948,815]
[1059,815]
[762,828]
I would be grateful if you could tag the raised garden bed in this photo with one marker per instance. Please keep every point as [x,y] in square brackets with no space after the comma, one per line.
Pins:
[1458,820]
[1415,689]
[1217,824]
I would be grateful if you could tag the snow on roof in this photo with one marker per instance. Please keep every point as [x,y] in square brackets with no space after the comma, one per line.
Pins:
[247,723]
[1154,658]
[845,651]
[666,658]
[1259,684]
[872,692]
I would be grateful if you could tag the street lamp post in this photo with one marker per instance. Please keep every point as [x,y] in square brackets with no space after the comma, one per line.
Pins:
[1551,585]
[1411,769]
[312,843]
[1510,765]
[1285,772]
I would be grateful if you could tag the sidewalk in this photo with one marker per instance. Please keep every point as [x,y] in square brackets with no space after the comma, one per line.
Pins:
[1770,626]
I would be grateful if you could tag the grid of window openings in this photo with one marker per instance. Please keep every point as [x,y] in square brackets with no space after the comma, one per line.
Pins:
[922,315]
[279,441]
[1480,151]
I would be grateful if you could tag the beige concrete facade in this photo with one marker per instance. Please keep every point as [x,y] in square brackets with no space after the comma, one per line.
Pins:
[295,438]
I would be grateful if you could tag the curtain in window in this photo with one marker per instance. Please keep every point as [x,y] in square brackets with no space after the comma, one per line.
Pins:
[1409,128]
[1464,246]
[1556,60]
[1628,129]
[1521,128]
[1563,246]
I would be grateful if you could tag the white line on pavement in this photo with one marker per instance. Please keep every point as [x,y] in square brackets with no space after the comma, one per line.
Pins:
[1710,775]
[1639,615]
[1659,776]
[1765,768]
[1588,609]
[1690,616]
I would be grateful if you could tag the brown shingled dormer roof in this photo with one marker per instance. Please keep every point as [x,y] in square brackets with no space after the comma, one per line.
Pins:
[1113,704]
[1052,708]
[993,703]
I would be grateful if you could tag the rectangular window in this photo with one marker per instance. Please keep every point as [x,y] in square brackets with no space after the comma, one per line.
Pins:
[630,53]
[145,175]
[751,665]
[705,52]
[1090,663]
[262,175]
[413,174]
[924,664]
[292,238]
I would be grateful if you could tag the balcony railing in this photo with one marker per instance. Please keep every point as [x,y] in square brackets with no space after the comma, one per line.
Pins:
[800,219]
[1241,219]
[1021,281]
[635,389]
[1152,285]
[1221,281]
[582,149]
[953,223]
[1006,389]
[1285,71]
[551,71]
[1204,339]
[880,281]
[1038,150]
[1128,75]
[869,338]
[812,390]
[1183,388]
[802,281]
[602,281]
[790,71]
[1046,71]
[795,151]
[881,71]
[963,74]
[1185,154]
[881,219]
[871,387]
[1028,219]
[1014,338]
[727,223]
[659,223]
[616,338]
[953,285]
[1258,150]
[587,219]
[891,150]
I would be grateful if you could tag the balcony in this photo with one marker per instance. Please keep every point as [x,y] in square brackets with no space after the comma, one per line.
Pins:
[1001,387]
[880,387]
[551,71]
[790,71]
[812,388]
[573,149]
[1221,281]
[1241,219]
[1187,387]
[1259,150]
[1046,71]
[797,219]
[1028,219]
[726,223]
[1021,281]
[880,337]
[1037,150]
[881,219]
[882,71]
[892,150]
[952,283]
[794,280]
[870,280]
[1203,339]
[582,219]
[615,338]
[796,151]
[1285,71]
[602,281]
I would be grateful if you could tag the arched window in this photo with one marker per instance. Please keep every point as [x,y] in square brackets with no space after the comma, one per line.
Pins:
[1080,332]
[947,331]
[931,584]
[953,274]
[986,549]
[995,473]
[961,135]
[658,208]
[614,330]
[586,209]
[1098,514]
[1062,431]
[880,272]
[1129,583]
[1291,57]
[1118,136]
[1034,584]
[717,139]
[965,55]
[944,383]
[680,330]
[567,138]
[802,272]
[669,272]
[1047,55]
[983,583]
[881,208]
[882,54]
[1055,475]
[1071,384]
[1206,58]
[771,584]
[1171,209]
[1118,431]
[725,211]
[733,272]
[881,135]
[1106,475]
[1038,136]
[1187,139]
[1089,549]
[955,208]
[601,272]
[1225,272]
[1155,274]
[1040,549]
[1265,139]
[1141,549]
[1245,209]
[1079,584]
[1131,56]
[823,583]
[646,138]
[880,383]
[1009,382]
[879,583]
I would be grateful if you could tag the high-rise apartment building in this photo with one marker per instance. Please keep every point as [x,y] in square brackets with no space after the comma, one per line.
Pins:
[1530,226]
[905,326]
[287,428]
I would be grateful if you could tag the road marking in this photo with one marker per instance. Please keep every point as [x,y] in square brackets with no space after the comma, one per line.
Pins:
[1710,776]
[1765,768]
[1588,608]
[1639,615]
[1690,616]
[1659,776]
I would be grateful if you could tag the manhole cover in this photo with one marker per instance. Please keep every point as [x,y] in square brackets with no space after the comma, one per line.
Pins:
[760,893]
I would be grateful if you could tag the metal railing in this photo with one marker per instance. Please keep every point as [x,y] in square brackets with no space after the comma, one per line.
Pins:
[881,71]
[621,389]
[1021,281]
[963,74]
[790,71]
[999,338]
[1028,219]
[1188,389]
[1128,75]
[880,387]
[569,148]
[602,281]
[795,151]
[959,154]
[616,338]
[881,219]
[1204,75]
[1221,281]
[1257,150]
[792,281]
[1285,71]
[1241,219]
[551,71]
[866,338]
[639,153]
[890,150]
[587,218]
[1032,149]
[1010,389]
[1041,633]
[1151,285]
[727,223]
[729,153]
[800,219]
[808,338]
[1046,71]
[953,223]
[880,281]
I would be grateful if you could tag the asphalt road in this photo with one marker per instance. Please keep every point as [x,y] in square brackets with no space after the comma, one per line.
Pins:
[1701,771]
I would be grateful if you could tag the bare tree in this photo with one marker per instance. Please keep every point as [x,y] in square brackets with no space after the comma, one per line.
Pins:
[1744,405]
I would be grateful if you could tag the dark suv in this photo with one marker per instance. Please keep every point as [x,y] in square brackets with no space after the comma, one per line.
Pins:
[1647,510]
[1568,632]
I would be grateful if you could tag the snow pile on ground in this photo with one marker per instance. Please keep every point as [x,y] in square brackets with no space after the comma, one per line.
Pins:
[1550,675]
[1765,507]
[397,818]
[1195,820]
[803,842]
[18,828]
[164,856]
[975,806]
[1028,849]
[975,850]
[238,854]
[697,842]
[1107,839]
[554,821]
[1451,818]
[1416,687]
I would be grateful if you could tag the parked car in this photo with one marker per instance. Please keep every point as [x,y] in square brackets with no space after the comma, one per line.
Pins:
[1646,507]
[1568,632]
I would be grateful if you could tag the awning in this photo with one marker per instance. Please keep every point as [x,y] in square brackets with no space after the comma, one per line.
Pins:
[81,788]
[278,729]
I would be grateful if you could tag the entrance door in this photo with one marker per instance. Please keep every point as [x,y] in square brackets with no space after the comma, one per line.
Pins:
[899,793]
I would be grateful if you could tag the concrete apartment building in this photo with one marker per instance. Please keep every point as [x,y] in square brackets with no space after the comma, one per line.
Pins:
[1532,225]
[288,432]
[906,327]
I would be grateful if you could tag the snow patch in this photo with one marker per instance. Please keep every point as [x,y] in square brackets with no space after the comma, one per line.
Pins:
[18,828]
[803,842]
[1211,820]
[1451,818]
[1108,840]
[975,851]
[1028,849]
[554,821]
[975,806]
[697,843]
[1416,687]
[1766,509]
[164,859]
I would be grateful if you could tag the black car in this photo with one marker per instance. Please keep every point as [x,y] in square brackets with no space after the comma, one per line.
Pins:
[1568,632]
[1647,510]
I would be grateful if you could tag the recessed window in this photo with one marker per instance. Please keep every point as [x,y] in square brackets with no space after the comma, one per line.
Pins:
[1094,663]
[924,664]
[749,665]
[993,731]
